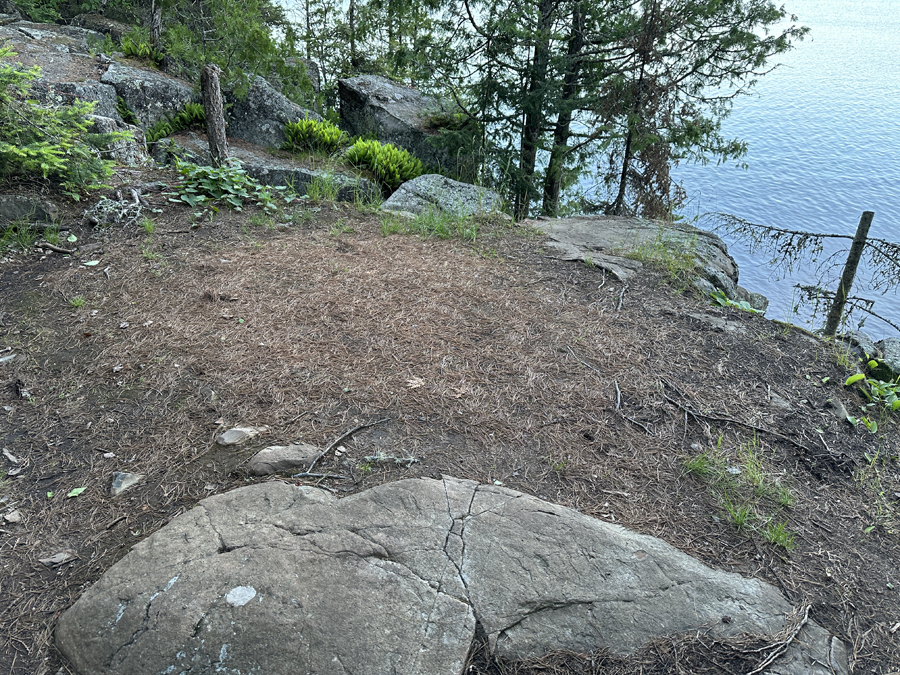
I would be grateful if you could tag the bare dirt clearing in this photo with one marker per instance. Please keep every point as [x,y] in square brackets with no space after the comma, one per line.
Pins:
[640,405]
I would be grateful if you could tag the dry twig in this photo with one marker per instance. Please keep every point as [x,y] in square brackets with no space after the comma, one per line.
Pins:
[335,442]
[781,647]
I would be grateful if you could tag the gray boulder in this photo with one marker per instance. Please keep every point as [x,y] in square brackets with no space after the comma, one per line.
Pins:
[890,363]
[150,95]
[30,209]
[101,24]
[279,579]
[131,151]
[277,458]
[599,238]
[311,68]
[433,191]
[395,114]
[259,118]
[104,96]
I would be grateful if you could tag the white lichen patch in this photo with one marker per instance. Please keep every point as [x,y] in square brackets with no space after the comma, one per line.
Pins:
[240,596]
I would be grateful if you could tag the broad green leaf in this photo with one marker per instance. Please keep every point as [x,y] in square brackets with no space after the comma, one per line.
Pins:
[853,379]
[75,492]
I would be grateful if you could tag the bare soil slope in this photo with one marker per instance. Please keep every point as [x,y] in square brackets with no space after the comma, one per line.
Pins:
[642,405]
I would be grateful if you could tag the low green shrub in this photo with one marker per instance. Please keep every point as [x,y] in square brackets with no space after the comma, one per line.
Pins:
[202,185]
[389,164]
[51,141]
[313,136]
[192,114]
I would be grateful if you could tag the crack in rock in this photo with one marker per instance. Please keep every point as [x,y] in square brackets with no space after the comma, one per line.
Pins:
[400,578]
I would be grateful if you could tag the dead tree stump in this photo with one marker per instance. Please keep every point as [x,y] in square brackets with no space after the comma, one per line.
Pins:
[215,113]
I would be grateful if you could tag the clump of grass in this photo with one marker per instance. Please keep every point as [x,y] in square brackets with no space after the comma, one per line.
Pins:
[77,301]
[322,188]
[778,535]
[675,256]
[743,489]
[19,235]
[432,223]
[148,225]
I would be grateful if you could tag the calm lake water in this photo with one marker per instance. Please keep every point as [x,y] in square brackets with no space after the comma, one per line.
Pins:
[824,135]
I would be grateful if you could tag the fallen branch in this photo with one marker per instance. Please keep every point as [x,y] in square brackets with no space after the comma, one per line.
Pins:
[50,246]
[307,474]
[621,297]
[728,420]
[781,647]
[584,363]
[637,423]
[339,439]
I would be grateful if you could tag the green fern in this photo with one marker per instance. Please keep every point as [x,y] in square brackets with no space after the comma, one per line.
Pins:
[313,136]
[192,114]
[390,165]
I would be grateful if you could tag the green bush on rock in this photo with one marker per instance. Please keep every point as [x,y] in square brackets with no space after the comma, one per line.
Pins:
[313,136]
[389,164]
[52,141]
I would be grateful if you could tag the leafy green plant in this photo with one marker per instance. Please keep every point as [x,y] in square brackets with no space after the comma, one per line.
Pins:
[77,301]
[880,394]
[53,142]
[125,112]
[230,184]
[719,298]
[191,115]
[389,164]
[313,136]
[148,225]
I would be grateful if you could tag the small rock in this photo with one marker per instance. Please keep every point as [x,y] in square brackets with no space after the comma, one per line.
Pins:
[13,517]
[11,457]
[122,481]
[282,458]
[777,402]
[239,435]
[59,558]
[837,409]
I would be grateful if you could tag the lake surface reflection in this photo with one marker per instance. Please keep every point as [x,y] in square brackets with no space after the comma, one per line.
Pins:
[824,135]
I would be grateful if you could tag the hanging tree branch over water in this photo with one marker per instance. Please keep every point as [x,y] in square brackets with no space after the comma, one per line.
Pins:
[791,248]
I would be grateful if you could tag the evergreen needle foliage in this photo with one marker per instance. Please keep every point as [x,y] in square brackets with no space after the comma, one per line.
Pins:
[54,142]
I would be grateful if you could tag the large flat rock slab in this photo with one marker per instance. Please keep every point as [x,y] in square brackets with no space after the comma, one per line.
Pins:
[280,579]
[608,241]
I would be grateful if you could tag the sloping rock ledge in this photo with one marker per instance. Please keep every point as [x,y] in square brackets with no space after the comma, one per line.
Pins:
[274,579]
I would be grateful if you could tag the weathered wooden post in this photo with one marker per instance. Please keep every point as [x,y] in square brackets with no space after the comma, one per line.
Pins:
[215,113]
[843,291]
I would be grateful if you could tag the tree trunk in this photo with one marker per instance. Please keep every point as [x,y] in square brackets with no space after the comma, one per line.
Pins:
[155,27]
[562,130]
[351,19]
[534,111]
[635,115]
[215,113]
